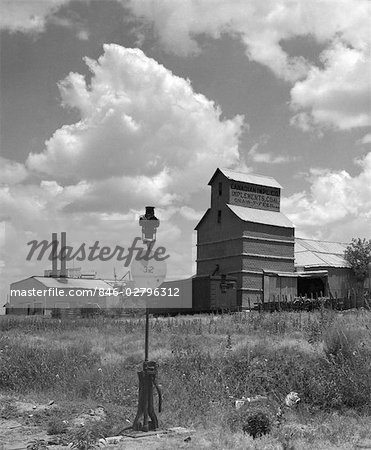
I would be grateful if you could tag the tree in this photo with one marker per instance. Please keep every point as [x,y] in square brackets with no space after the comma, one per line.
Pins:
[358,255]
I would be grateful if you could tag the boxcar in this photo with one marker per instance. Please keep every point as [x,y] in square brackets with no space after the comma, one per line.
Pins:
[199,294]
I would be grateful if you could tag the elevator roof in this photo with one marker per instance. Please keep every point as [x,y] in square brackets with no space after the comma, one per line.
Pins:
[260,180]
[275,218]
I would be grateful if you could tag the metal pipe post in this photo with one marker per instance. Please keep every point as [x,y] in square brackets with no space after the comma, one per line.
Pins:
[146,335]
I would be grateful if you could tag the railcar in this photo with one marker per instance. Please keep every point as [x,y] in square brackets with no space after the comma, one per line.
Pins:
[198,294]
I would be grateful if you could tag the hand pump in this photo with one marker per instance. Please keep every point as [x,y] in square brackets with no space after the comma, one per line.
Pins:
[147,376]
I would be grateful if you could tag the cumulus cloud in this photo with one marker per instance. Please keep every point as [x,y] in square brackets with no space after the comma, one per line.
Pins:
[336,204]
[123,193]
[11,172]
[333,93]
[144,137]
[260,26]
[27,16]
[83,35]
[259,156]
[338,95]
[34,17]
[190,213]
[365,140]
[33,211]
[143,130]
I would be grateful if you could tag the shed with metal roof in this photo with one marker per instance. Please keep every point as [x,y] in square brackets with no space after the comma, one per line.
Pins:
[321,267]
[310,254]
[42,295]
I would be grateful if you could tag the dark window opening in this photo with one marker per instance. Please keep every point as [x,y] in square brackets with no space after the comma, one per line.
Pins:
[220,189]
[219,216]
[311,287]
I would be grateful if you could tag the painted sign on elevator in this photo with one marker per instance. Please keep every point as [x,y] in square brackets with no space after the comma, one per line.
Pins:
[253,196]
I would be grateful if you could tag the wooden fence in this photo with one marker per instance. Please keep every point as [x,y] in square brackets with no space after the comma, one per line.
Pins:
[305,303]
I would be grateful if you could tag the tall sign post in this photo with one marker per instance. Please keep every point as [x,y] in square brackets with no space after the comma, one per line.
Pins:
[148,274]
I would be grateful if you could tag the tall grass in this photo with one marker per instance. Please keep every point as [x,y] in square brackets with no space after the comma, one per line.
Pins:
[204,361]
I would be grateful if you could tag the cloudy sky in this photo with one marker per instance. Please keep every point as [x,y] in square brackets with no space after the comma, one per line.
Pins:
[111,105]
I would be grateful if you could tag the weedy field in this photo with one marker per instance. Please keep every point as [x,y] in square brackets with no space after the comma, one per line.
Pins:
[205,363]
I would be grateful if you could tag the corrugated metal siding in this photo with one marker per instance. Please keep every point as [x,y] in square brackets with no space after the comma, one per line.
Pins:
[311,253]
[309,259]
[336,248]
[72,283]
[261,216]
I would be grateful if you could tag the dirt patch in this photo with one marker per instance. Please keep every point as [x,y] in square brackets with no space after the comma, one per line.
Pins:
[15,435]
[23,421]
[17,428]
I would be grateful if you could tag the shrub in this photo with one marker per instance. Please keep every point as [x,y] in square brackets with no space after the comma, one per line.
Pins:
[340,343]
[257,424]
[37,444]
[85,439]
[56,426]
